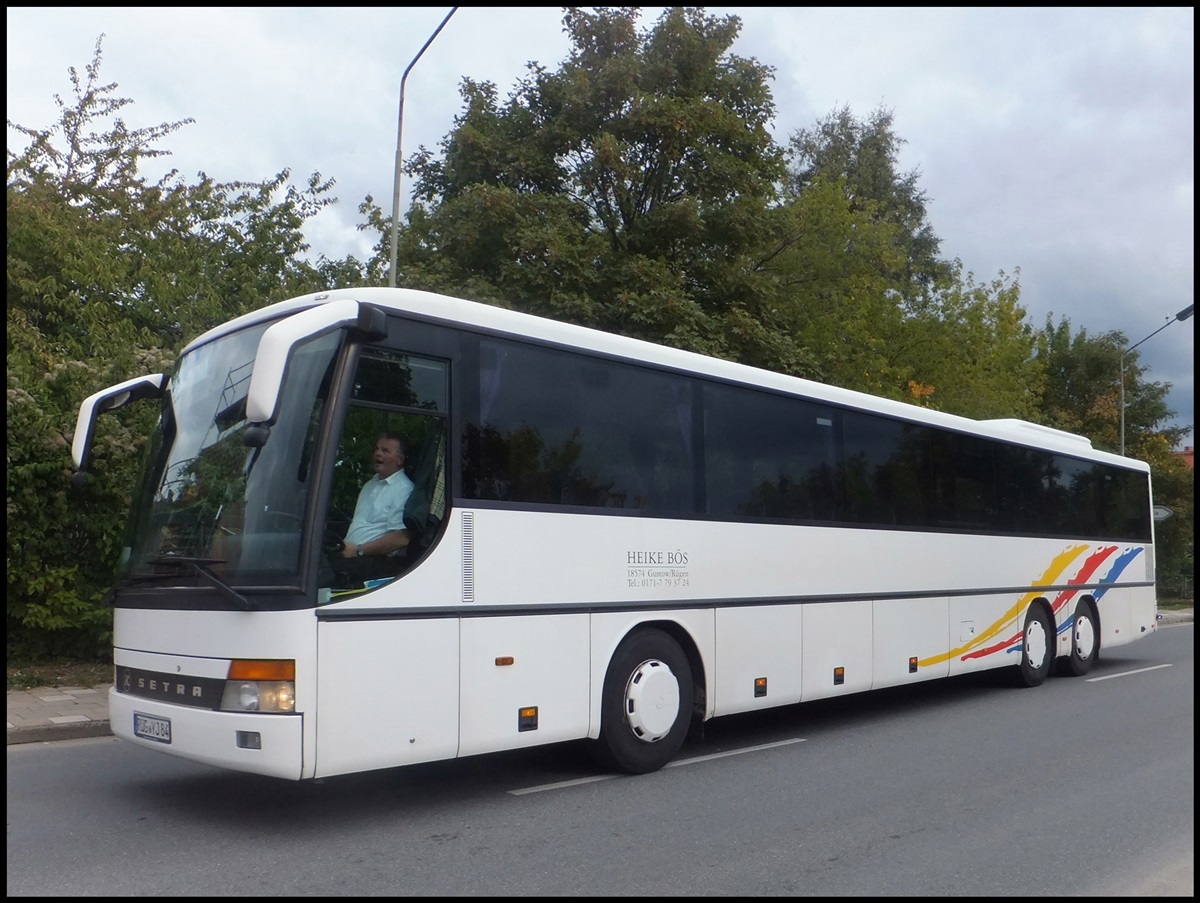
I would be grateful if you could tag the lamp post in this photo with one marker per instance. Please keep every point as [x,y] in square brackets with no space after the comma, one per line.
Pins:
[399,136]
[1181,316]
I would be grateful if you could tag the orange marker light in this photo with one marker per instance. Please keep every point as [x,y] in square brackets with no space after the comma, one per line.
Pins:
[527,718]
[251,669]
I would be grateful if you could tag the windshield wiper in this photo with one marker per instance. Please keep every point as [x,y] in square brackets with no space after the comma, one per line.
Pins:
[201,566]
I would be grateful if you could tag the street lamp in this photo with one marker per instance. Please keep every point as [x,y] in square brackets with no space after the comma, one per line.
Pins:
[1181,316]
[399,135]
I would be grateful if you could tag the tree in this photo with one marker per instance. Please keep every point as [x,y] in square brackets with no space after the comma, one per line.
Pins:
[969,349]
[871,298]
[1083,389]
[1174,486]
[863,157]
[108,274]
[633,190]
[831,293]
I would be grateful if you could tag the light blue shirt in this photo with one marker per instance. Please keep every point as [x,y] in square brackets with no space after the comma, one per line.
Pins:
[380,508]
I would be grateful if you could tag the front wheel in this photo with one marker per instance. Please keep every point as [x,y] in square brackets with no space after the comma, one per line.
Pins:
[1085,642]
[1037,647]
[647,703]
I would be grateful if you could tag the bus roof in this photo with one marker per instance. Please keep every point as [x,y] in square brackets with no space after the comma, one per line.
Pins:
[489,318]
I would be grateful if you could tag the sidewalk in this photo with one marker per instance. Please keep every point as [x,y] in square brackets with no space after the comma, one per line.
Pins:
[57,713]
[68,713]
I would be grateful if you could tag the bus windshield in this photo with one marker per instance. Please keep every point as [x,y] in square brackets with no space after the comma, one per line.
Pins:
[214,505]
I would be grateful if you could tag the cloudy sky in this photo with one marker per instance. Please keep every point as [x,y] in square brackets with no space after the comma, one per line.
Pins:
[1054,141]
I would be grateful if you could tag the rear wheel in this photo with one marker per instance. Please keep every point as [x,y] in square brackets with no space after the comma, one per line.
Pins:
[647,703]
[1037,647]
[1085,642]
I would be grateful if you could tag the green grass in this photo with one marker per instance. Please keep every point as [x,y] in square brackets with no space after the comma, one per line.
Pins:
[58,674]
[1176,604]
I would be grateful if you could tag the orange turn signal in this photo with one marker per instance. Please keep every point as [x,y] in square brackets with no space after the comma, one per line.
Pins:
[249,669]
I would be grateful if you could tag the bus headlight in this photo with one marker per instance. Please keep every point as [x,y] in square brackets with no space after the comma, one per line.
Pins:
[259,696]
[260,686]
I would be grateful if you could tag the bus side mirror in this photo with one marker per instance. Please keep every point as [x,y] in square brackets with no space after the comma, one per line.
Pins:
[110,399]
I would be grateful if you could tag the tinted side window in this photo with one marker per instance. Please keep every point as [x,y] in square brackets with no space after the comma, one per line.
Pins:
[1123,501]
[966,482]
[400,380]
[1055,495]
[547,427]
[768,456]
[1076,498]
[555,428]
[1024,477]
[888,471]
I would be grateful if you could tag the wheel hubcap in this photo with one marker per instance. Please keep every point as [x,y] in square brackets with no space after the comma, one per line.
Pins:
[1085,636]
[1035,644]
[651,700]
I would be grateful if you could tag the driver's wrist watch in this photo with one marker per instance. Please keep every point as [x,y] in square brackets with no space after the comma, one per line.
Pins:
[359,551]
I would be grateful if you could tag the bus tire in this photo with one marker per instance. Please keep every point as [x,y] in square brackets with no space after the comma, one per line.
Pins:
[1085,641]
[647,703]
[1037,648]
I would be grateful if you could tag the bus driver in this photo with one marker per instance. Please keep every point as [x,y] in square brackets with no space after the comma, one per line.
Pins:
[377,528]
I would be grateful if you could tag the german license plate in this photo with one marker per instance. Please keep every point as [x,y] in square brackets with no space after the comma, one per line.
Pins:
[150,728]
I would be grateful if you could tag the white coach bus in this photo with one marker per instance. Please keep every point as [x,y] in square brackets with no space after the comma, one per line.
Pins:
[607,539]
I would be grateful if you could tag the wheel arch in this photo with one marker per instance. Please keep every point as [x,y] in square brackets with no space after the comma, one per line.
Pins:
[648,705]
[688,643]
[1048,610]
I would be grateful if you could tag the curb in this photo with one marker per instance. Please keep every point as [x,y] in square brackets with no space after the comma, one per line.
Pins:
[1177,616]
[48,733]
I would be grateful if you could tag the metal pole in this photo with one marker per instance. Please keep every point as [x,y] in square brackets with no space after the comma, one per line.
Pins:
[1181,316]
[1123,353]
[399,159]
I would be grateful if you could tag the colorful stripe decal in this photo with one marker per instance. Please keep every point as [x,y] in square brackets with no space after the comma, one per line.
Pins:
[1122,561]
[1009,624]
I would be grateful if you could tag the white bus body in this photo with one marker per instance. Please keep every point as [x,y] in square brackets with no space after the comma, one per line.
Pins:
[553,602]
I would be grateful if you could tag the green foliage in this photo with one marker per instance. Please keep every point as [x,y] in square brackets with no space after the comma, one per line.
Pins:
[1083,389]
[863,157]
[1174,485]
[866,295]
[108,274]
[971,345]
[629,190]
[832,289]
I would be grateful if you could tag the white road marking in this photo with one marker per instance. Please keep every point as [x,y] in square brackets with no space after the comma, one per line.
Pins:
[733,752]
[1127,673]
[692,761]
